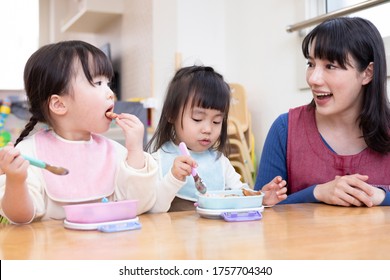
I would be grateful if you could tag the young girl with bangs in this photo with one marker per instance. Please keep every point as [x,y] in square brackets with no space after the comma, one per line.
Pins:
[67,86]
[336,150]
[195,112]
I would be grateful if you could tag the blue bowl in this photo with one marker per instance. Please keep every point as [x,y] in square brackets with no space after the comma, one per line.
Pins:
[231,199]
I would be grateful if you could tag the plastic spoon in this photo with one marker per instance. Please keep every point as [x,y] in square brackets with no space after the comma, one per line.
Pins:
[200,186]
[44,165]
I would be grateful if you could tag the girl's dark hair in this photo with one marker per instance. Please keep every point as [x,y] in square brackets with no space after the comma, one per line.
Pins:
[49,71]
[337,38]
[206,88]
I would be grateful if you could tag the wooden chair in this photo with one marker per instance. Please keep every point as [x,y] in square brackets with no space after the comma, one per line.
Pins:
[246,177]
[239,110]
[241,139]
[239,147]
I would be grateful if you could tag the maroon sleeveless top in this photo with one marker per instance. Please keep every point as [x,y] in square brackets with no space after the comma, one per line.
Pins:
[311,162]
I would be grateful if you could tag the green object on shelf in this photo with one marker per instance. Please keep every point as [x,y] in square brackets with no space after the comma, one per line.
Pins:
[3,220]
[5,137]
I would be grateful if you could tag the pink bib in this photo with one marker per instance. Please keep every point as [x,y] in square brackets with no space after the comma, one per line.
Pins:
[91,166]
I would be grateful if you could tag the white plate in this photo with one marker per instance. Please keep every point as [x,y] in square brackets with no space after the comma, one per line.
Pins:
[216,213]
[80,226]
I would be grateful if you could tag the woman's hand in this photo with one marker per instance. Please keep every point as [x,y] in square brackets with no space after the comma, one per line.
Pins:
[274,192]
[349,190]
[379,195]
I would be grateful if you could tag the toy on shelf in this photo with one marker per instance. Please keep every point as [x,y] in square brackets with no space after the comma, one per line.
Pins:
[3,220]
[5,110]
[5,136]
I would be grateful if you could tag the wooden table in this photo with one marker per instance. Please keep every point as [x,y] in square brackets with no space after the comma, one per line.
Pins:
[300,231]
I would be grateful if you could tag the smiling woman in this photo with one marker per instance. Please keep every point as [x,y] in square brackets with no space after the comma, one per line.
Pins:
[336,148]
[21,39]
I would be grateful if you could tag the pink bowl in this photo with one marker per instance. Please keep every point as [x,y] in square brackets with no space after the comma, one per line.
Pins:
[100,212]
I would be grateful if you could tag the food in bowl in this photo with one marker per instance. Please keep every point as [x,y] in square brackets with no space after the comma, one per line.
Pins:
[249,192]
[230,199]
[100,212]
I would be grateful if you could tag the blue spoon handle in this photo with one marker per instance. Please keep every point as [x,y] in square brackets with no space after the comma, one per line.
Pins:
[35,162]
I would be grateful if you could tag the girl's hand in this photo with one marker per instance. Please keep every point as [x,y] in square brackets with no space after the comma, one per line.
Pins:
[349,190]
[16,202]
[182,167]
[134,131]
[13,164]
[275,191]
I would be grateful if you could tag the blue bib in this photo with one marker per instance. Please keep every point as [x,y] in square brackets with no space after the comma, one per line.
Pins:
[209,169]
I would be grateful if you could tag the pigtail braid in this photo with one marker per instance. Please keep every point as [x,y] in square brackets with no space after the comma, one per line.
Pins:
[27,129]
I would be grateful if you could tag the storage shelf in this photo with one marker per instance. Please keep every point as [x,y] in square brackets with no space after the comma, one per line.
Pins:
[93,15]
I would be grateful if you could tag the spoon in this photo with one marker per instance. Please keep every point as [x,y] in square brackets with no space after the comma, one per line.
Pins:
[53,169]
[200,186]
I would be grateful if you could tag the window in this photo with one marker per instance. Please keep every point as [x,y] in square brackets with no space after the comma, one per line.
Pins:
[19,28]
[378,15]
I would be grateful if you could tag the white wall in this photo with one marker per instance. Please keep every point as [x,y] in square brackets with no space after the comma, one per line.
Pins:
[164,49]
[185,33]
[263,57]
[202,32]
